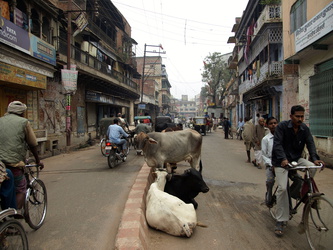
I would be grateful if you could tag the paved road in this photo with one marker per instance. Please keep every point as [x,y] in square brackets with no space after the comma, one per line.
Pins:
[232,208]
[86,199]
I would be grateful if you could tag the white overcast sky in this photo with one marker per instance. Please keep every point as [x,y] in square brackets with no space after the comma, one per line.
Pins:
[188,31]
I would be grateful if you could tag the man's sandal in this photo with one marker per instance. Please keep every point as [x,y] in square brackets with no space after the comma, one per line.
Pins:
[279,228]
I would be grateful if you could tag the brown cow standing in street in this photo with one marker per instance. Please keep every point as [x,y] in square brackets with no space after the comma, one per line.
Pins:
[161,148]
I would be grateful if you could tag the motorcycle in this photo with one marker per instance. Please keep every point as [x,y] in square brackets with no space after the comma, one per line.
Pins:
[114,153]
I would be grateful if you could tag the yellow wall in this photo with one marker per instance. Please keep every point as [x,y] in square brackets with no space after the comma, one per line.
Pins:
[313,7]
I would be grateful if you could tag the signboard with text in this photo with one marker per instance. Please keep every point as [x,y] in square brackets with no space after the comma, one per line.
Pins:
[317,27]
[16,37]
[9,73]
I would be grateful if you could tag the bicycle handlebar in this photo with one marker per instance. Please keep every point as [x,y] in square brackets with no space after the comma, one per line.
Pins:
[32,165]
[294,167]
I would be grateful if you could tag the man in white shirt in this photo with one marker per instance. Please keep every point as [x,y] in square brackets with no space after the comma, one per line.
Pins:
[266,151]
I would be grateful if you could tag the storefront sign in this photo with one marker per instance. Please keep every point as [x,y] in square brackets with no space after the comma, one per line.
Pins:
[81,22]
[69,80]
[98,97]
[14,36]
[315,28]
[21,76]
[42,50]
[92,96]
[141,106]
[18,38]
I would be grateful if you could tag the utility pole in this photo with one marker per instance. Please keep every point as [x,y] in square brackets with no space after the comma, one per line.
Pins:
[68,95]
[144,63]
[71,73]
[143,72]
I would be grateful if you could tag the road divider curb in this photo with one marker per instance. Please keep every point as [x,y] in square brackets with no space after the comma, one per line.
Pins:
[133,228]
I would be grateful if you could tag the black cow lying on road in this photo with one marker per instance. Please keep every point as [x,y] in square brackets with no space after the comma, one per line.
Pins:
[186,186]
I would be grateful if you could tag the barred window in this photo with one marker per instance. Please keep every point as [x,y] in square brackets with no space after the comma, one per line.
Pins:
[321,104]
[297,15]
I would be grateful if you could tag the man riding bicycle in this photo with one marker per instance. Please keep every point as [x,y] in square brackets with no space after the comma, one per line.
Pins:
[16,137]
[115,132]
[290,137]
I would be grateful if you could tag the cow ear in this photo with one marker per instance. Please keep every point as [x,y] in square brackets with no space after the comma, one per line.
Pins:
[152,141]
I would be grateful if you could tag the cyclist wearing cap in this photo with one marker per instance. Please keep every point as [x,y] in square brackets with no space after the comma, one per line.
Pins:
[16,137]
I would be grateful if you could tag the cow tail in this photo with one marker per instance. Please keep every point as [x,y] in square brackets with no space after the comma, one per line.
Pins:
[200,166]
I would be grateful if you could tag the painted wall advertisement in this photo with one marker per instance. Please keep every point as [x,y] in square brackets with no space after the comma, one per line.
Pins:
[317,27]
[16,37]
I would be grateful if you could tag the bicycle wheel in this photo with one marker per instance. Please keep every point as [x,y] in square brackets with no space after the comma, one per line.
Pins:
[13,236]
[112,159]
[318,223]
[35,205]
[103,145]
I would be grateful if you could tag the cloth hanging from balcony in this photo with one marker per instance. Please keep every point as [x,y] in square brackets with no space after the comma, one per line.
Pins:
[249,33]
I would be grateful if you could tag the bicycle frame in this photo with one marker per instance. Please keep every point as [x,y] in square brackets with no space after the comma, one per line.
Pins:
[310,193]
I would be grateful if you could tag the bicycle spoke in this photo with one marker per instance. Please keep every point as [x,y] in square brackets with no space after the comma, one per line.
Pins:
[319,223]
[12,236]
[36,204]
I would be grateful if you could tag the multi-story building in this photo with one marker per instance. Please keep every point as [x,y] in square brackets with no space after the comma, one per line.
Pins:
[37,42]
[308,50]
[258,38]
[275,74]
[154,70]
[187,108]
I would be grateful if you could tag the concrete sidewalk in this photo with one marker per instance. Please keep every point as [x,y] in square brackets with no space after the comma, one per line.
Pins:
[133,229]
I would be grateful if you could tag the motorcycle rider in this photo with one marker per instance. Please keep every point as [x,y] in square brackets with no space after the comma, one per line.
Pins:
[115,132]
[16,137]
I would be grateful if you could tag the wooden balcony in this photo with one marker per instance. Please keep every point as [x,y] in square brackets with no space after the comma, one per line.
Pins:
[92,62]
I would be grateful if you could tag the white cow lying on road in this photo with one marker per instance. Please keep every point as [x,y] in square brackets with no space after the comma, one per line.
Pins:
[168,213]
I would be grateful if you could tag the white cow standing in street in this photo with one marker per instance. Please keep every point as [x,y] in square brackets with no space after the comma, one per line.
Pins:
[168,213]
[161,148]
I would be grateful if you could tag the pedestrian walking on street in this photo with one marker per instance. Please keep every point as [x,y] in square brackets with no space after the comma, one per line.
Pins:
[215,123]
[259,133]
[290,137]
[227,126]
[240,128]
[248,138]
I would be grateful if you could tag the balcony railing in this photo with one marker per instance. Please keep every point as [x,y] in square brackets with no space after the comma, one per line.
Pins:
[267,72]
[87,59]
[96,30]
[271,13]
